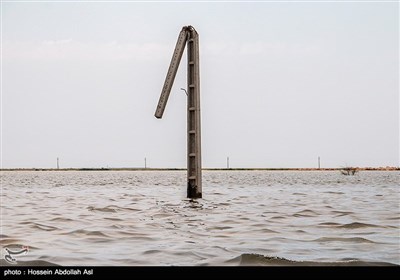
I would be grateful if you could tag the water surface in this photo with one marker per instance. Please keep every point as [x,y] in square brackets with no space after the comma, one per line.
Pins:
[245,218]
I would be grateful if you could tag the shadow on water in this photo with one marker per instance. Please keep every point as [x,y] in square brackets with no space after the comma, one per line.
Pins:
[192,203]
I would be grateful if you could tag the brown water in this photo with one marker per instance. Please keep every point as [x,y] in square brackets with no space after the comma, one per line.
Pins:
[245,218]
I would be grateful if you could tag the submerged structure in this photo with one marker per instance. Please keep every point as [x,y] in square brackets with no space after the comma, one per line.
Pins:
[188,36]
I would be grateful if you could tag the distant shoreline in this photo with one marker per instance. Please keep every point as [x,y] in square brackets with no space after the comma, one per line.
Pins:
[204,169]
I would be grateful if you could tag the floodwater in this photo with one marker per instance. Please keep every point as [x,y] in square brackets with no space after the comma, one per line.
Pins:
[130,218]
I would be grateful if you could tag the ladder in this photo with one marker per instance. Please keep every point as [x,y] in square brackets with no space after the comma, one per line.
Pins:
[190,37]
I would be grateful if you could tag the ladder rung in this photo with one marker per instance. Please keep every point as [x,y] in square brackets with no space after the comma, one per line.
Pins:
[192,109]
[192,177]
[191,62]
[192,131]
[191,86]
[191,40]
[192,154]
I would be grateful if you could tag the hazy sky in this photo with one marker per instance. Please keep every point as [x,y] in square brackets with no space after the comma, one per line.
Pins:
[281,84]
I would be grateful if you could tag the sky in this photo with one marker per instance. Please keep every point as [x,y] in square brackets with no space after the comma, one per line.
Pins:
[282,83]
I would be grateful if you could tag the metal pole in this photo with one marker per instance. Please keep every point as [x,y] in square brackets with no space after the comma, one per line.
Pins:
[194,188]
[58,164]
[190,37]
[319,163]
[184,91]
[145,163]
[227,162]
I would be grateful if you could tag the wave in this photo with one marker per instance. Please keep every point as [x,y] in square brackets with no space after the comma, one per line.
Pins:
[344,239]
[261,260]
[83,232]
[278,217]
[305,213]
[357,225]
[329,224]
[28,263]
[353,225]
[102,209]
[44,227]
[331,192]
[61,219]
[342,213]
[7,241]
[110,208]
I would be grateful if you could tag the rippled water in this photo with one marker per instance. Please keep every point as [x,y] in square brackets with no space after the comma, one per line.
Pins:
[245,218]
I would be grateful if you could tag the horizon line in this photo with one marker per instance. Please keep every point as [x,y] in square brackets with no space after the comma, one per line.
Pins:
[366,168]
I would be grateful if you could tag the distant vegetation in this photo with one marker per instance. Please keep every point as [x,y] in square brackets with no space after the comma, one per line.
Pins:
[349,170]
